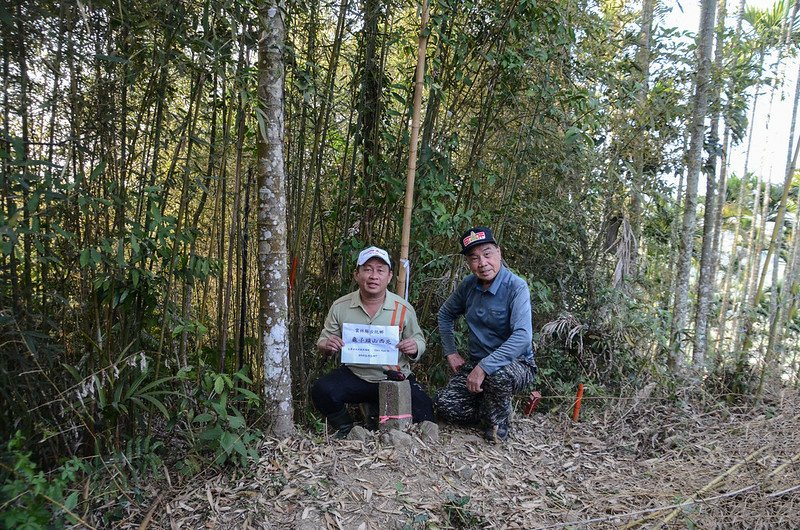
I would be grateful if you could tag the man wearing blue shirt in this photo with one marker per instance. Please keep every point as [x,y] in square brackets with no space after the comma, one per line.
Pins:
[496,304]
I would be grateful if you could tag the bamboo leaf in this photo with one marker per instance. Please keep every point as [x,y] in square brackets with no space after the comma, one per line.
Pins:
[158,404]
[112,58]
[236,422]
[262,126]
[203,418]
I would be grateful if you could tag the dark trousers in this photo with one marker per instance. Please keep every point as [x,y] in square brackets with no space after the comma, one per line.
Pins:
[456,404]
[332,391]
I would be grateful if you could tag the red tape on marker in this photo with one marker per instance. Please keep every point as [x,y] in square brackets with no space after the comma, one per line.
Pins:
[384,419]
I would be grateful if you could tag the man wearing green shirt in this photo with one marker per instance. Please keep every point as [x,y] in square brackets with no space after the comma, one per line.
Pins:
[372,304]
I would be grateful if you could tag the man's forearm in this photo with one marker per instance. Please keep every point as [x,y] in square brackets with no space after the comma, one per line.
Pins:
[446,325]
[515,346]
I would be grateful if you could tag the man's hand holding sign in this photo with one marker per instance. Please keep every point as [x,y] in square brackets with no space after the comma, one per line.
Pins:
[334,344]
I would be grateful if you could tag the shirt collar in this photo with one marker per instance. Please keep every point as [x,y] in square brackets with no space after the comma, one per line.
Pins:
[355,301]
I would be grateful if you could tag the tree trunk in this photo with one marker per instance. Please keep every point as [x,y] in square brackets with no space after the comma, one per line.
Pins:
[750,299]
[743,280]
[705,281]
[233,229]
[722,196]
[674,237]
[775,246]
[411,173]
[732,260]
[694,159]
[245,241]
[22,50]
[8,203]
[643,61]
[790,283]
[272,261]
[66,18]
[722,324]
[370,114]
[791,162]
[190,123]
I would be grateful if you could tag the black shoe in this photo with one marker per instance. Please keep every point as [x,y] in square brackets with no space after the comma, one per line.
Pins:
[342,422]
[496,433]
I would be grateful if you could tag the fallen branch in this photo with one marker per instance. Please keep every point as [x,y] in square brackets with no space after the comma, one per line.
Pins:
[149,516]
[783,466]
[713,483]
[784,492]
[652,510]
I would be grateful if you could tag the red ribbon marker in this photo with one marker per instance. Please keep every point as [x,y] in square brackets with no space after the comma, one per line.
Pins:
[533,402]
[577,409]
[384,419]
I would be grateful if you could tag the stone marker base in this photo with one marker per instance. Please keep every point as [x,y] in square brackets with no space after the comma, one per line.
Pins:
[394,405]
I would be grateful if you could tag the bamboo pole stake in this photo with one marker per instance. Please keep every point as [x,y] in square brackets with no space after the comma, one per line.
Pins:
[400,288]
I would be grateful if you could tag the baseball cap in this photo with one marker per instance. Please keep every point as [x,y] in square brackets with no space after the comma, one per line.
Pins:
[373,252]
[477,235]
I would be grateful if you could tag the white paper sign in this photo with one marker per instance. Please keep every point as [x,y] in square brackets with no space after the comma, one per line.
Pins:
[365,344]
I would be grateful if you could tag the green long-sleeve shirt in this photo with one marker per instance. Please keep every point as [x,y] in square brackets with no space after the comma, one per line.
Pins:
[349,309]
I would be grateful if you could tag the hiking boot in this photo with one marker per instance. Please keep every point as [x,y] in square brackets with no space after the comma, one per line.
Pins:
[496,433]
[342,422]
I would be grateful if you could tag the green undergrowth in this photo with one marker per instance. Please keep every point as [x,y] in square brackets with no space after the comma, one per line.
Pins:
[129,429]
[31,499]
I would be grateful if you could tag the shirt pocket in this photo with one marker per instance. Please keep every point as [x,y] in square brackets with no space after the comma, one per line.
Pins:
[499,316]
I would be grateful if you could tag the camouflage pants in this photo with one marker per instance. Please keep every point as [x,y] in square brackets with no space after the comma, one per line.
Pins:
[455,404]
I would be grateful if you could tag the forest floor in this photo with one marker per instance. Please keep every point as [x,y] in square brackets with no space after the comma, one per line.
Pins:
[639,463]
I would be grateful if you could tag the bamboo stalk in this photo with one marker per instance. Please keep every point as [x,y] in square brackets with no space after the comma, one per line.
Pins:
[412,156]
[651,511]
[784,492]
[731,470]
[693,499]
[791,461]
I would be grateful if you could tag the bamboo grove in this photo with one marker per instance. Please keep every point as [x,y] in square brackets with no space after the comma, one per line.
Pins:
[129,132]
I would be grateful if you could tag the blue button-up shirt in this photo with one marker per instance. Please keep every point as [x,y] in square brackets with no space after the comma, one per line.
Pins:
[498,318]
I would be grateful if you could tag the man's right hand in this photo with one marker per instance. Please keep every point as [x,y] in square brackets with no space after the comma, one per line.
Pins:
[331,345]
[455,361]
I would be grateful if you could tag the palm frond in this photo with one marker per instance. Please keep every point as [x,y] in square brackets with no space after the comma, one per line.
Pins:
[567,328]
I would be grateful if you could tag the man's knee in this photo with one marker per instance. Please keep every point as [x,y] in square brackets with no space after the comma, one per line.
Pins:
[319,392]
[510,378]
[326,392]
[446,409]
[449,395]
[502,381]
[455,406]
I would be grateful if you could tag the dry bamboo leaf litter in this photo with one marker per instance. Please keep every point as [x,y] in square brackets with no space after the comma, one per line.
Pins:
[636,466]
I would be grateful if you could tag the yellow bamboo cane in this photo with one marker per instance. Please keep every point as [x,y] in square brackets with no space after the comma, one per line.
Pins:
[412,155]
